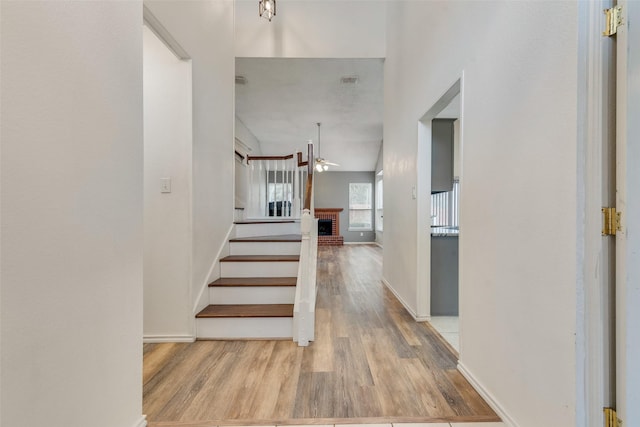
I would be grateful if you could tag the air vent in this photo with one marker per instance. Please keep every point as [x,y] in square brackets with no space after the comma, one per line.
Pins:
[349,80]
[241,80]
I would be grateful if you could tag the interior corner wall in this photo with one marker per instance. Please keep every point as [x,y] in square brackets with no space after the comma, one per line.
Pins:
[71,271]
[331,190]
[519,155]
[317,29]
[244,135]
[168,311]
[379,168]
[204,29]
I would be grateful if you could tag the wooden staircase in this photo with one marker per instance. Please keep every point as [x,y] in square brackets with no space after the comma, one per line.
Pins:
[254,296]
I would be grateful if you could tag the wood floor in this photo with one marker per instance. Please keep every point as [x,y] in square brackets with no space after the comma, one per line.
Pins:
[370,362]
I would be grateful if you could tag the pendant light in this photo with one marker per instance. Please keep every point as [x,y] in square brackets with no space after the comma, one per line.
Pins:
[267,9]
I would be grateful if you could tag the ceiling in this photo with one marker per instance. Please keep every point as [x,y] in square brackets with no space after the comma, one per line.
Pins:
[283,99]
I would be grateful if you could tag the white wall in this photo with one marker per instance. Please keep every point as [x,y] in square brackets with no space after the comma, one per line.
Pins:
[518,276]
[379,168]
[312,29]
[457,153]
[167,216]
[205,30]
[71,214]
[246,144]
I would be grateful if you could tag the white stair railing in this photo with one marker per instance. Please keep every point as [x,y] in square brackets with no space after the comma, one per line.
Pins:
[276,186]
[304,309]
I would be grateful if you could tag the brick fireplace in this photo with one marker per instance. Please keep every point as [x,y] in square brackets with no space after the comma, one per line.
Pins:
[333,214]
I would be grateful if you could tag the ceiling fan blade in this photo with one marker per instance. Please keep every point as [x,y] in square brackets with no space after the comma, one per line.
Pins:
[331,164]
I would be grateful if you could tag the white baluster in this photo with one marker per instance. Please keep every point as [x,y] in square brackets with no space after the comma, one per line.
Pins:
[264,183]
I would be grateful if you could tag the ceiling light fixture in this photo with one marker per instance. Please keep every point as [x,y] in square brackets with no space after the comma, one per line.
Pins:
[267,9]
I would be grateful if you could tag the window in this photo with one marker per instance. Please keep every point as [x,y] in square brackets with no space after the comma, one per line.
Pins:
[360,206]
[445,207]
[279,198]
[279,192]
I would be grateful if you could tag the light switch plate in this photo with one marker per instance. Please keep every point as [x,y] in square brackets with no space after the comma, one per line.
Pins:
[165,185]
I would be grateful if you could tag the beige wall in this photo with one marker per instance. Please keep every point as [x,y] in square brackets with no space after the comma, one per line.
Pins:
[204,29]
[167,216]
[518,273]
[71,214]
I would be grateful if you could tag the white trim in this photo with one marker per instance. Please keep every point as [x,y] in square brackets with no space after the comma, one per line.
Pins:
[200,304]
[151,339]
[360,243]
[406,306]
[241,146]
[593,77]
[628,202]
[378,243]
[487,396]
[142,422]
[163,34]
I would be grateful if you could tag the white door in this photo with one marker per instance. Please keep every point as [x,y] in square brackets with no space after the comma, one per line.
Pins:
[628,202]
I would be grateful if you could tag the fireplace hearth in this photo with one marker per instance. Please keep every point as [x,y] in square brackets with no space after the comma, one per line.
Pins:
[329,226]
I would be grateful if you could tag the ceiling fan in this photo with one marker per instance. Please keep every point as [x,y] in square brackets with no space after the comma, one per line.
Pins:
[321,163]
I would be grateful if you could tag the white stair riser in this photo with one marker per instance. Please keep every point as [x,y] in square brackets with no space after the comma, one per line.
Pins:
[246,327]
[259,269]
[273,229]
[265,248]
[252,294]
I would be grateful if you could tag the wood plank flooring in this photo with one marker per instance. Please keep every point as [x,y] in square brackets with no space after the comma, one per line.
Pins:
[371,362]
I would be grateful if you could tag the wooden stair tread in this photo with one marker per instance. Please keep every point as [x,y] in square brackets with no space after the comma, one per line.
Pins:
[268,221]
[279,238]
[247,310]
[254,281]
[261,258]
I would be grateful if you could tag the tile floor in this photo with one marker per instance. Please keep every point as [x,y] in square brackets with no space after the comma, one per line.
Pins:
[447,326]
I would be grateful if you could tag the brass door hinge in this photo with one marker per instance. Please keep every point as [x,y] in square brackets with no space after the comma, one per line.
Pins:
[610,221]
[611,418]
[614,20]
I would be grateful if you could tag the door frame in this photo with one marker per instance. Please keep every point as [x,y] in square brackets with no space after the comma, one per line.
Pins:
[595,108]
[423,195]
[628,203]
[596,129]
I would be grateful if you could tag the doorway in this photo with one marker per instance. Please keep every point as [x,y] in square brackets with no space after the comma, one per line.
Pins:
[437,190]
[167,104]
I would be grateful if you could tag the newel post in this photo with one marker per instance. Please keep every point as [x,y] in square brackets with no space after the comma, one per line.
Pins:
[304,330]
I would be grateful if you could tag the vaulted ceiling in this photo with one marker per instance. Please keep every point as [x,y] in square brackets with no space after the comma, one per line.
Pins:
[282,100]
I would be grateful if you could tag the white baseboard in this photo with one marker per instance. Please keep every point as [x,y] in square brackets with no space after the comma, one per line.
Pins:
[142,422]
[378,243]
[488,397]
[359,243]
[152,339]
[406,306]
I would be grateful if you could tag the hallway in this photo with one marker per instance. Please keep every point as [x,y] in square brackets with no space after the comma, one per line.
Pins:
[371,362]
